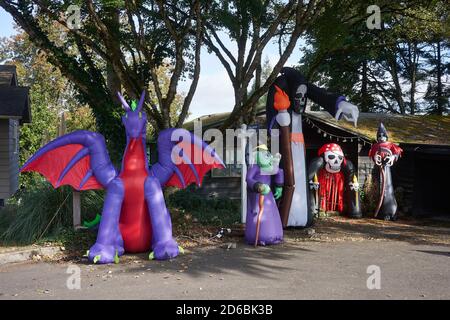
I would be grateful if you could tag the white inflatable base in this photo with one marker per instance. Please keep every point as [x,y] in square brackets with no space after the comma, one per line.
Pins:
[298,214]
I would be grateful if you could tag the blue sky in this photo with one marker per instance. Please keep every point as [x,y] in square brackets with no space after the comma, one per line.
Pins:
[6,24]
[214,92]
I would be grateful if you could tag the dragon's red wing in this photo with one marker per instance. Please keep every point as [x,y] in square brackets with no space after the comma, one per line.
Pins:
[51,164]
[205,162]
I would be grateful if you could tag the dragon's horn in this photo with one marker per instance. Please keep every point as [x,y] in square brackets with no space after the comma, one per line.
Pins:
[124,103]
[141,101]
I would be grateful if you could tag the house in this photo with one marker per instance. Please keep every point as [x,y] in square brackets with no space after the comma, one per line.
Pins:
[421,174]
[14,111]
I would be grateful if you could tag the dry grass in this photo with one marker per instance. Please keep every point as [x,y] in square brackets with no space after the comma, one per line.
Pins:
[192,235]
[339,229]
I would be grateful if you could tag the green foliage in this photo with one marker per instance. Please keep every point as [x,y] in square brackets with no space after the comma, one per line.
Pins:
[211,211]
[50,94]
[7,214]
[380,69]
[118,46]
[369,196]
[42,212]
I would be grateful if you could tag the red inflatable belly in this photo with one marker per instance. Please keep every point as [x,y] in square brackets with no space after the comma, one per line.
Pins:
[135,225]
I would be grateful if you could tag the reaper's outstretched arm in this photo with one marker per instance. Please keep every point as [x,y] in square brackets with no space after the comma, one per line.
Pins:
[335,104]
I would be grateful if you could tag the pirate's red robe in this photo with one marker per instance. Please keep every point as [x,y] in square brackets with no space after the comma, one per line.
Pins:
[331,191]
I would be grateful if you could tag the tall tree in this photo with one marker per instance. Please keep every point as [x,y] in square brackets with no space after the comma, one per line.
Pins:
[438,91]
[50,95]
[251,25]
[118,45]
[380,69]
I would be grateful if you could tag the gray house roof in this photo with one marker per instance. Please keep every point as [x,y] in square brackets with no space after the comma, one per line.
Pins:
[8,75]
[14,100]
[417,129]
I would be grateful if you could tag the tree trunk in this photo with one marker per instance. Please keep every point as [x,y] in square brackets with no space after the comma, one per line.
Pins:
[440,99]
[364,95]
[413,75]
[251,117]
[112,82]
[398,89]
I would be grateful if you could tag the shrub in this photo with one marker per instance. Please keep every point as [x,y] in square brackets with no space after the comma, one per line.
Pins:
[42,211]
[369,196]
[215,211]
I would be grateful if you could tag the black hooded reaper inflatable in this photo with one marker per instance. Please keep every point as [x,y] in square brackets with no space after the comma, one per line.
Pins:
[286,101]
[384,154]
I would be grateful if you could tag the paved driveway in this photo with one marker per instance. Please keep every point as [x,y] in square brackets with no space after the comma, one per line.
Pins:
[296,270]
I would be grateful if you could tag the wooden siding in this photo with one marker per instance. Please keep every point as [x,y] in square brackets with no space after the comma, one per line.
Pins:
[9,157]
[4,159]
[228,187]
[14,155]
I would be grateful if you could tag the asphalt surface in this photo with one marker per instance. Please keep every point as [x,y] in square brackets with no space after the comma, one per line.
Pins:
[309,270]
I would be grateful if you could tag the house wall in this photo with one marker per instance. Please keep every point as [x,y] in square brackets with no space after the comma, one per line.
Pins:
[365,164]
[14,155]
[226,187]
[230,186]
[9,157]
[4,159]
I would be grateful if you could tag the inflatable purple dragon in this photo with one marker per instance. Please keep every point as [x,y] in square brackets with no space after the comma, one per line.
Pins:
[134,216]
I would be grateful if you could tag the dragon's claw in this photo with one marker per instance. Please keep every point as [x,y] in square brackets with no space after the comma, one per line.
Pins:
[100,253]
[181,249]
[166,250]
[151,256]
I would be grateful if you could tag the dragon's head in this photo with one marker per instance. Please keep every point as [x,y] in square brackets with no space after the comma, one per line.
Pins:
[134,119]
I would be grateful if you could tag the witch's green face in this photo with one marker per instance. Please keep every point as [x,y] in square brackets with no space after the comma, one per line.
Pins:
[264,159]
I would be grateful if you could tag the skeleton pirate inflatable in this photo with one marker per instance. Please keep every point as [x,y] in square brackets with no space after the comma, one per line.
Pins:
[333,185]
[384,154]
[286,101]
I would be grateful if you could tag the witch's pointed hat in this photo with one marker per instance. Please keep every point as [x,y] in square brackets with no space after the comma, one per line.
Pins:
[382,132]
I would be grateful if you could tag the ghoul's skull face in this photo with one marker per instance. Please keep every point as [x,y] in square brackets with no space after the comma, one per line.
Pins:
[384,157]
[333,161]
[382,137]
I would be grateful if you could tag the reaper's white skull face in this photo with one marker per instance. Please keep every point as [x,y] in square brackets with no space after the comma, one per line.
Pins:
[300,98]
[333,161]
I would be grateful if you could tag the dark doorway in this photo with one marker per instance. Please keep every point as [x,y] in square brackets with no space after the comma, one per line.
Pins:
[431,182]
